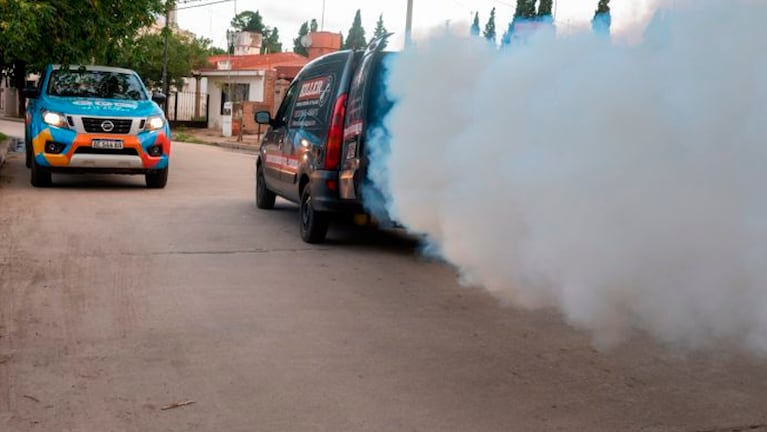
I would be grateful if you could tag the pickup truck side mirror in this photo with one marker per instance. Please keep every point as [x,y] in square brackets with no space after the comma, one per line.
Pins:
[30,93]
[159,98]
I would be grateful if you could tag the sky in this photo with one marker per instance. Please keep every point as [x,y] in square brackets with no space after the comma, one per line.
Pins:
[212,21]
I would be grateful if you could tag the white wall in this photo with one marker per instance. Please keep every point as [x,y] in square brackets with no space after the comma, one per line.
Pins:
[10,102]
[214,110]
[215,84]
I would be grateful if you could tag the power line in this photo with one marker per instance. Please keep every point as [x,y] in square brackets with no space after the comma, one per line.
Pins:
[203,5]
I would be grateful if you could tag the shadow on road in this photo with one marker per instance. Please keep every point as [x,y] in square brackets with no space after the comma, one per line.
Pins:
[100,182]
[344,232]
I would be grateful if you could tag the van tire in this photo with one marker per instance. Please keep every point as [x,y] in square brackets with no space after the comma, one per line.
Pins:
[264,197]
[313,224]
[157,179]
[40,177]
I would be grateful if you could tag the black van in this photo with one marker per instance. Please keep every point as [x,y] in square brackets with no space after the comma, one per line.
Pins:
[313,152]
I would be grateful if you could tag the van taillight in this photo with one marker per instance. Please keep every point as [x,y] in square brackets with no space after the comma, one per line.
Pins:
[336,134]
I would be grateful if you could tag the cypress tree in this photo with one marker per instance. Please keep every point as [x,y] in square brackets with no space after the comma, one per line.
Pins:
[380,30]
[356,37]
[544,8]
[475,25]
[525,10]
[602,20]
[298,46]
[489,32]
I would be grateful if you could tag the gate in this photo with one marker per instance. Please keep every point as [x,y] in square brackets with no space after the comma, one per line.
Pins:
[187,109]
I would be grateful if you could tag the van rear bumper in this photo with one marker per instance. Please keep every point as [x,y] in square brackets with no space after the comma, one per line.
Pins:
[324,188]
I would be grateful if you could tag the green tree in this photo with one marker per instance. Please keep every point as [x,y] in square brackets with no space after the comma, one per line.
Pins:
[298,43]
[475,25]
[248,21]
[545,8]
[36,32]
[356,37]
[489,32]
[603,7]
[144,54]
[525,9]
[380,30]
[271,43]
[253,22]
[602,20]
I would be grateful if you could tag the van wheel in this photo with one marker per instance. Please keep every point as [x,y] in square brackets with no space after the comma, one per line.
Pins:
[264,197]
[157,179]
[314,224]
[40,177]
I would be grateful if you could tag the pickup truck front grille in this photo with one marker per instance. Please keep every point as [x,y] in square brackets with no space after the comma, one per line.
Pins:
[105,125]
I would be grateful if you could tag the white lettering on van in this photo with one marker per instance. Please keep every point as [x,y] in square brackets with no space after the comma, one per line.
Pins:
[312,89]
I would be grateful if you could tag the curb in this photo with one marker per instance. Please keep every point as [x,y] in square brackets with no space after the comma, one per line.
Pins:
[248,148]
[4,150]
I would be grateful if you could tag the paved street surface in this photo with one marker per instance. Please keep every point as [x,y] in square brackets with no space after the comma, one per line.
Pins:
[117,301]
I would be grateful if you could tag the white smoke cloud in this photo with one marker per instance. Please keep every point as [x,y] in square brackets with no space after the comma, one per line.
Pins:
[623,184]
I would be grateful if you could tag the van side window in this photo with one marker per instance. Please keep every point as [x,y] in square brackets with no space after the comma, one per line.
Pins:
[283,114]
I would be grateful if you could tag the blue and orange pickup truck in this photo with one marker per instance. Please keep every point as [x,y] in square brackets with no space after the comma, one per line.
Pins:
[95,119]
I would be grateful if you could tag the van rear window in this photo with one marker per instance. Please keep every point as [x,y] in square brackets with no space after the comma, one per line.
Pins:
[313,102]
[312,108]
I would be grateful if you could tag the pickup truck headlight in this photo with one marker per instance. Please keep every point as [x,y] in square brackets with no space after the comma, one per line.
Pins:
[55,119]
[154,123]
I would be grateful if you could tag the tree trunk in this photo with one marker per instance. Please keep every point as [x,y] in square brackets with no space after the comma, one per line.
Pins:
[19,82]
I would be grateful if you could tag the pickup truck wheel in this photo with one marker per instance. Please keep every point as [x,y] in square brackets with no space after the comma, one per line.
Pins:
[157,179]
[40,177]
[264,197]
[29,151]
[313,224]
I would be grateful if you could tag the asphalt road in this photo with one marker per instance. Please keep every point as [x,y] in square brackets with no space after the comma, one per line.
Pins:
[117,301]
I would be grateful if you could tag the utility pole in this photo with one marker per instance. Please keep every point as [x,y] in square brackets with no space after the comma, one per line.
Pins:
[322,22]
[409,23]
[166,32]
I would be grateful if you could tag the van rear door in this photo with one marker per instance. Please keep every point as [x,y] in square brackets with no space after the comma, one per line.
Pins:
[320,86]
[362,115]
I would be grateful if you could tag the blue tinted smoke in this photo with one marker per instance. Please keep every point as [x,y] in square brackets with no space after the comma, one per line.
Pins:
[376,196]
[620,182]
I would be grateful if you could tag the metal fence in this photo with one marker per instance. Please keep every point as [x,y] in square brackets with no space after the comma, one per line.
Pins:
[188,109]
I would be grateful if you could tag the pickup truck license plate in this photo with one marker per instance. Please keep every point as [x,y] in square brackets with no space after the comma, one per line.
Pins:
[107,144]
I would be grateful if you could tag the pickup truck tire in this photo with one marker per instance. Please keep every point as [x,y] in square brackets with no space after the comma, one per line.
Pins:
[264,197]
[157,179]
[313,224]
[28,150]
[40,177]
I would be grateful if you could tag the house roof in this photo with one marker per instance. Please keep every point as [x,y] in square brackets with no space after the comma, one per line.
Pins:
[287,61]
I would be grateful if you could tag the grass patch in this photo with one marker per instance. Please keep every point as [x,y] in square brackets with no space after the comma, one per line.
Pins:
[180,135]
[2,137]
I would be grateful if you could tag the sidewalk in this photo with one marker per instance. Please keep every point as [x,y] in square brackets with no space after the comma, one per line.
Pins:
[6,143]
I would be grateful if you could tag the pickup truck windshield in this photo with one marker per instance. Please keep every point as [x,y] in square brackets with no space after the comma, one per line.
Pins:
[96,84]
